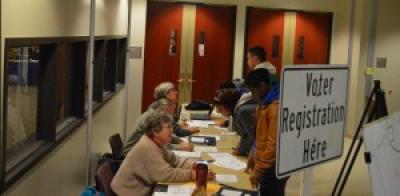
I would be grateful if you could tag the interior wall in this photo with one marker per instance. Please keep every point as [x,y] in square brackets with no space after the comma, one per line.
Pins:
[62,172]
[386,45]
[135,86]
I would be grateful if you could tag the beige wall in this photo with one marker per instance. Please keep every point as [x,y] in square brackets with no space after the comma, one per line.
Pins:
[63,171]
[387,45]
[136,65]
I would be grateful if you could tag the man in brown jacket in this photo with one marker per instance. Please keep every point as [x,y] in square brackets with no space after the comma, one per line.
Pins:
[263,173]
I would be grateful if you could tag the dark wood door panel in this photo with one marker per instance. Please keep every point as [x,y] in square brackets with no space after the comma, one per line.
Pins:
[215,27]
[160,64]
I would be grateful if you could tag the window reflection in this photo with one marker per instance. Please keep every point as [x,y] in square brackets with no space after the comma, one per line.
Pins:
[23,77]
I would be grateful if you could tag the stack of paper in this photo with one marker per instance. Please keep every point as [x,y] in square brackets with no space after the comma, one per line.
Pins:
[205,149]
[226,178]
[227,160]
[209,122]
[227,192]
[228,133]
[198,124]
[193,155]
[176,190]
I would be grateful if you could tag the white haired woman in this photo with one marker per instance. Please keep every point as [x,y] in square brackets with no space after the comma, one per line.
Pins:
[149,162]
[167,90]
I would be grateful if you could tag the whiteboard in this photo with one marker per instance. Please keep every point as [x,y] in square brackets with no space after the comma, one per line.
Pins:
[382,141]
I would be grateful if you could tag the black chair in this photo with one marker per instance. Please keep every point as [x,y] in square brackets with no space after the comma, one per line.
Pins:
[104,176]
[116,146]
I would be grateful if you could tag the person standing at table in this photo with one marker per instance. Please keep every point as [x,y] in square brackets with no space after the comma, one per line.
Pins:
[232,102]
[263,172]
[257,59]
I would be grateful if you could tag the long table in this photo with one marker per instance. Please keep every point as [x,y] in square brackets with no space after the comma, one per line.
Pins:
[226,144]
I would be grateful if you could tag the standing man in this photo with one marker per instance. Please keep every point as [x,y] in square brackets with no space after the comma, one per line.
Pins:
[257,58]
[263,171]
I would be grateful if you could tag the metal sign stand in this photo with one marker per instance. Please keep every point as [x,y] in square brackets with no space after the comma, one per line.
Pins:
[379,110]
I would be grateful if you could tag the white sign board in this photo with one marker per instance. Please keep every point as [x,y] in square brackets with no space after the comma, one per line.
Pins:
[312,116]
[382,142]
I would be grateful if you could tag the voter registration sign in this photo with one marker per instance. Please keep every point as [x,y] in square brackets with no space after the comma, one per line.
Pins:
[312,116]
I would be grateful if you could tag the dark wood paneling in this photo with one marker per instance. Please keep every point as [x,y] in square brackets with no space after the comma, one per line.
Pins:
[313,35]
[217,23]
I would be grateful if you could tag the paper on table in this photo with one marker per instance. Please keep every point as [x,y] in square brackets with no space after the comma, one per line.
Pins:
[228,133]
[180,189]
[176,190]
[227,192]
[195,155]
[224,129]
[208,122]
[205,149]
[197,124]
[226,178]
[227,160]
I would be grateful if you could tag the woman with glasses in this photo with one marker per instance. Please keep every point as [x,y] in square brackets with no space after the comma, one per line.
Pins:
[149,162]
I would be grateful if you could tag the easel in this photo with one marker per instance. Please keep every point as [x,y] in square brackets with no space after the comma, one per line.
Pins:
[376,110]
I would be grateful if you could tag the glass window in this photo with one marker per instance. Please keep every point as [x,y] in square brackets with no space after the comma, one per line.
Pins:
[22,102]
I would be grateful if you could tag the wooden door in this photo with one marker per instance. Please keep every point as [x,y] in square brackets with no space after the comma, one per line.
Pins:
[312,38]
[265,28]
[215,27]
[161,60]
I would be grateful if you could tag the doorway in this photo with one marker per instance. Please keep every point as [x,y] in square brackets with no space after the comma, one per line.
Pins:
[189,45]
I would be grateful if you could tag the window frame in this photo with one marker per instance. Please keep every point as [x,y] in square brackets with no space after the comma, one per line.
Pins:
[47,98]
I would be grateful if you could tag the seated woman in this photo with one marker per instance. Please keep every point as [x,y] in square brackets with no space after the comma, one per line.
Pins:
[167,90]
[150,162]
[162,105]
[242,107]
